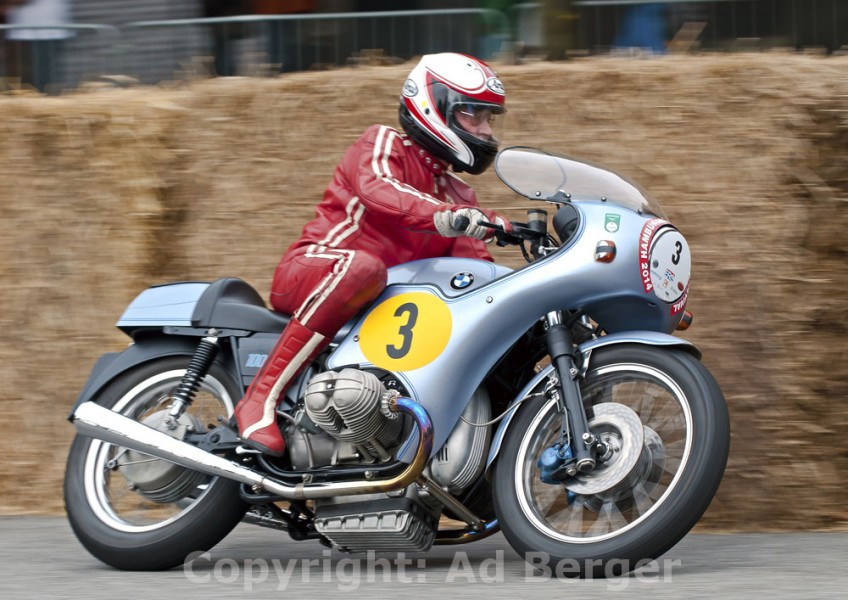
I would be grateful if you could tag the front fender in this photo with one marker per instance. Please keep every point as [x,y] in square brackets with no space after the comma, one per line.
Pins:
[650,338]
[112,364]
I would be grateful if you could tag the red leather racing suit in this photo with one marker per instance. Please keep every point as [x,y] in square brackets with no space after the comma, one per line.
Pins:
[376,213]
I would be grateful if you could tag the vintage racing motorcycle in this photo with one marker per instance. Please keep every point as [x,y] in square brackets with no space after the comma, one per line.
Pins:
[549,402]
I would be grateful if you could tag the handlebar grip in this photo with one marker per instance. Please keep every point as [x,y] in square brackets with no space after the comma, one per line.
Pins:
[461,223]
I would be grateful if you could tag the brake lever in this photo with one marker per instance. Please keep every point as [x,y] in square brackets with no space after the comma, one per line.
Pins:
[502,237]
[516,237]
[495,226]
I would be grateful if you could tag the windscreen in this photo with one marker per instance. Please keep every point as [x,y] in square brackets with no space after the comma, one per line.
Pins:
[539,175]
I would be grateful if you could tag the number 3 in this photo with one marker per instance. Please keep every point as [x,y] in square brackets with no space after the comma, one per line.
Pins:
[675,258]
[405,330]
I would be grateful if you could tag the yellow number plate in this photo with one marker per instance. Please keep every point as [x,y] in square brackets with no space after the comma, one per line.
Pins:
[406,332]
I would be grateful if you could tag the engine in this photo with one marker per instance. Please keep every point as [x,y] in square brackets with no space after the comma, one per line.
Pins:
[343,420]
[347,406]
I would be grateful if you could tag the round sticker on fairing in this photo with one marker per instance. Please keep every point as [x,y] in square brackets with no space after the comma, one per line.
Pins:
[406,332]
[671,265]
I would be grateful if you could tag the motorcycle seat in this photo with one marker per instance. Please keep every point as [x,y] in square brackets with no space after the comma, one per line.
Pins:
[232,303]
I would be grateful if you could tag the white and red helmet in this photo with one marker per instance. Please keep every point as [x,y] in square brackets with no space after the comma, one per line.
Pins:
[439,85]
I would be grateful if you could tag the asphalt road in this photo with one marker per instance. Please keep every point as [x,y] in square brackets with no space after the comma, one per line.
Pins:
[41,558]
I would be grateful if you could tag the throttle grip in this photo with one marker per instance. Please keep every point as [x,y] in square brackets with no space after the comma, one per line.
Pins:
[461,223]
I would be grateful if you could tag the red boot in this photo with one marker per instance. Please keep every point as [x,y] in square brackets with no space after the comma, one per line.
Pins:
[256,413]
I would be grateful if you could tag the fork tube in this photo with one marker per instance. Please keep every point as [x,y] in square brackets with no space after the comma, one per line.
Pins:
[562,353]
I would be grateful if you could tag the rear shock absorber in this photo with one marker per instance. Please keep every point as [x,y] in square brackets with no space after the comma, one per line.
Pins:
[201,361]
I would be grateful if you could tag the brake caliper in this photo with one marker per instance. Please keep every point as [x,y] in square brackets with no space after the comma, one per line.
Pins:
[554,463]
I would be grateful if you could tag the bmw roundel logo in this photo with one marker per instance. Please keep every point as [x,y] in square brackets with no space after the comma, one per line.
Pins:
[462,280]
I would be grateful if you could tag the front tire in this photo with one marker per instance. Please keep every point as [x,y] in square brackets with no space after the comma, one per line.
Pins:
[136,527]
[647,495]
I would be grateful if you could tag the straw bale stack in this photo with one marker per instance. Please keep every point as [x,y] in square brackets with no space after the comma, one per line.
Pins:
[108,191]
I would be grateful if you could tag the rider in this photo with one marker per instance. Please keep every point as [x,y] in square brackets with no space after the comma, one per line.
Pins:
[393,199]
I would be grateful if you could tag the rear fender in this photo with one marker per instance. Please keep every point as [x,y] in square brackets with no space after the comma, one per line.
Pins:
[111,365]
[649,338]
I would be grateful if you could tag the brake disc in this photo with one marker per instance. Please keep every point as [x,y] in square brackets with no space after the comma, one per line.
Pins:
[620,428]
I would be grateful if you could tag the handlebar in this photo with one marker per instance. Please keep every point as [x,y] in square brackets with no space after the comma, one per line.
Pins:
[520,232]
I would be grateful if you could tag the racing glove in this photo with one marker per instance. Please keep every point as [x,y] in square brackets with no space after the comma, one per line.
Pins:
[466,221]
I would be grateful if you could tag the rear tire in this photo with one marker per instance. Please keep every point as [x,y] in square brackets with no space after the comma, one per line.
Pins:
[679,465]
[123,527]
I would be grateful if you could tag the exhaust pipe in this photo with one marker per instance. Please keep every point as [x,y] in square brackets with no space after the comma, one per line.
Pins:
[94,421]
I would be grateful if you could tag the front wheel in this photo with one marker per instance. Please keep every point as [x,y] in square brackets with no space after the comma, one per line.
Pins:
[665,425]
[136,512]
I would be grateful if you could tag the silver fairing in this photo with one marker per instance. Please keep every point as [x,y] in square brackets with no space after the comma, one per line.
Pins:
[487,320]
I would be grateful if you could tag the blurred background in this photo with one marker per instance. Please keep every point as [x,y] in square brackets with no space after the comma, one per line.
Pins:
[155,141]
[150,41]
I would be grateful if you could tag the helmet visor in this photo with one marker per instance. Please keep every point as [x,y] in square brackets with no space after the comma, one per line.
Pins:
[483,121]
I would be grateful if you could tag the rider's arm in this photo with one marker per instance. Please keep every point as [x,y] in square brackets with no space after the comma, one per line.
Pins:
[378,181]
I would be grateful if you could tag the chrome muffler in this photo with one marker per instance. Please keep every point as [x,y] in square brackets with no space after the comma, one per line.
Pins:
[94,421]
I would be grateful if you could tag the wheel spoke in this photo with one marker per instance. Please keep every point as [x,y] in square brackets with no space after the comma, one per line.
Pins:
[672,465]
[640,399]
[559,505]
[642,502]
[546,498]
[574,524]
[603,521]
[669,421]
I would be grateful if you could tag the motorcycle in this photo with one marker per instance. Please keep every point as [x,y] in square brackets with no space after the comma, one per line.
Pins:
[549,402]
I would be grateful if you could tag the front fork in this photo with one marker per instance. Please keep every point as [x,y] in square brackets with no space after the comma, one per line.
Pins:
[575,428]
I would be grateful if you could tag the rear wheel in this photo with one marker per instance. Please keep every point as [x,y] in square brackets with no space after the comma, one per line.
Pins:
[666,427]
[136,512]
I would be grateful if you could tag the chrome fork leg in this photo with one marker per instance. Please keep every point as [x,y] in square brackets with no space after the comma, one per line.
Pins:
[562,352]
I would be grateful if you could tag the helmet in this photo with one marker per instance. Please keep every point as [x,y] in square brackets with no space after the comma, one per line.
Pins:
[442,95]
